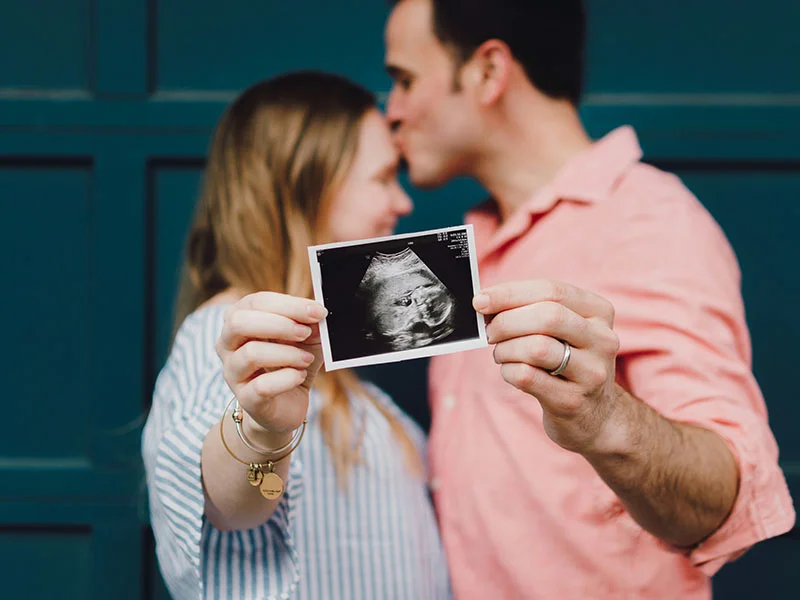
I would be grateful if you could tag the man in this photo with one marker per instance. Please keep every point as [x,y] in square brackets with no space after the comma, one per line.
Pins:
[632,456]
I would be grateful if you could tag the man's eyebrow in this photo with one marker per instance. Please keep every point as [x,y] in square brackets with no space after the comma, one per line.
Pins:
[396,72]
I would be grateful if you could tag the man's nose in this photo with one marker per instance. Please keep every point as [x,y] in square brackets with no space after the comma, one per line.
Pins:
[393,112]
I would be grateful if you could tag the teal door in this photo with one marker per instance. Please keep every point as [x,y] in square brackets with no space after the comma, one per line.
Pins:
[106,107]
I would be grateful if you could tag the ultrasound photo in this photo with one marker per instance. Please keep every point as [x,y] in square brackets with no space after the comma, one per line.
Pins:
[398,297]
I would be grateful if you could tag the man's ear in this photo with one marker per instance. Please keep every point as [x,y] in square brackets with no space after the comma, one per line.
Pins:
[490,70]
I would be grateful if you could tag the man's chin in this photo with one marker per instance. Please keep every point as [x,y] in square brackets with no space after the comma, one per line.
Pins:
[426,179]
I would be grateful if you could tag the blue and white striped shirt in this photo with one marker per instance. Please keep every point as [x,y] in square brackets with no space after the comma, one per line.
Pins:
[376,539]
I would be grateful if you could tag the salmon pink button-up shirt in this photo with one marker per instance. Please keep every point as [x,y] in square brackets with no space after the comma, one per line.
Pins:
[524,519]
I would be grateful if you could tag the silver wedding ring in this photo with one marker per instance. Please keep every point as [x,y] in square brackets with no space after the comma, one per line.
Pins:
[564,361]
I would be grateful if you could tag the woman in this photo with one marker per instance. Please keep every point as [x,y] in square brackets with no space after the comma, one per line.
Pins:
[302,159]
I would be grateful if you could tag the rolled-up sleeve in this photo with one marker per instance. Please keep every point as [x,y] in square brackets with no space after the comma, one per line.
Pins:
[188,401]
[685,350]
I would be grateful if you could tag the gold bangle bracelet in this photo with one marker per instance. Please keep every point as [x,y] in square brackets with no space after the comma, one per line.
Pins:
[238,418]
[270,483]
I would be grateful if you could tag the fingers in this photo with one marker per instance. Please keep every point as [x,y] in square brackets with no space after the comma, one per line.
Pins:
[540,351]
[554,320]
[534,381]
[269,385]
[270,351]
[560,399]
[243,325]
[298,309]
[517,294]
[269,316]
[530,320]
[546,353]
[530,332]
[255,356]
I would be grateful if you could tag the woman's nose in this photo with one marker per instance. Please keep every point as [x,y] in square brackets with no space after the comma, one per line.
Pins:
[402,202]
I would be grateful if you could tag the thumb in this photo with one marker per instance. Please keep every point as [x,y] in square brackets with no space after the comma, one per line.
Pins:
[313,344]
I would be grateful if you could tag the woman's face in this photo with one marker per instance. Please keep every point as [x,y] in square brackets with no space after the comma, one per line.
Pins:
[370,200]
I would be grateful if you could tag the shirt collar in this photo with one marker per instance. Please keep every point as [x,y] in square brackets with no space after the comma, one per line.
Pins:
[592,174]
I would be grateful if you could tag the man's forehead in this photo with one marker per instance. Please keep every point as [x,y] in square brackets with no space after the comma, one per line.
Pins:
[409,29]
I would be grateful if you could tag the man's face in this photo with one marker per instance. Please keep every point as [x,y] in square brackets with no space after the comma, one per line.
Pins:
[435,122]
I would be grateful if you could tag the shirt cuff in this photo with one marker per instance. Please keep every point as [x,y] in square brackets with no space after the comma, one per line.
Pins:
[178,487]
[763,508]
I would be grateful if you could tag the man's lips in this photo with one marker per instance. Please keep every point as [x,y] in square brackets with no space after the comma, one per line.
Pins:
[400,144]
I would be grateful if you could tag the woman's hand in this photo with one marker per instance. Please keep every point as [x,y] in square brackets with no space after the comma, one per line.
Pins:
[271,353]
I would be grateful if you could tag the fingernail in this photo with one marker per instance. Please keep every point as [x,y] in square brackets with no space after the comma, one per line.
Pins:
[308,358]
[480,302]
[317,311]
[302,331]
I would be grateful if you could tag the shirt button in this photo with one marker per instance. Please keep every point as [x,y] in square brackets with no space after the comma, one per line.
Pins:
[435,484]
[449,402]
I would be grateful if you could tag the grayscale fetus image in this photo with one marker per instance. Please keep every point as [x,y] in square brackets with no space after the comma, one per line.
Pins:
[407,305]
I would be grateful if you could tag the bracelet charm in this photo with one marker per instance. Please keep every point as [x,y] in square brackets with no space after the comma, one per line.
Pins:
[271,485]
[254,475]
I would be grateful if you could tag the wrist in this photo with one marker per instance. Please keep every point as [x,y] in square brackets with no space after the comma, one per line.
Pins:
[619,436]
[262,437]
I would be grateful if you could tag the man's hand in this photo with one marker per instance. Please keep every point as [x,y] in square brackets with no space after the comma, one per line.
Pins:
[678,481]
[530,323]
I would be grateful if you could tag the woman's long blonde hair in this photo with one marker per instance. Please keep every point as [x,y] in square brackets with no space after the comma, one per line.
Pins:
[277,156]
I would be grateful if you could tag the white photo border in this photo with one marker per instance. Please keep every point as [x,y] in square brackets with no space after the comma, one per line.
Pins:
[399,355]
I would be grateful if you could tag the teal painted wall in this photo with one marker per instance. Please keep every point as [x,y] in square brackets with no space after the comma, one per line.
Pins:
[106,107]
